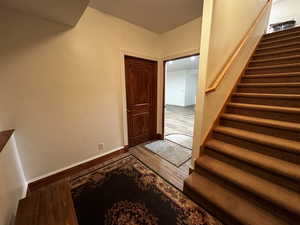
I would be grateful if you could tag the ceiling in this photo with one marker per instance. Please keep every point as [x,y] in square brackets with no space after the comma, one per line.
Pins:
[189,63]
[62,11]
[155,15]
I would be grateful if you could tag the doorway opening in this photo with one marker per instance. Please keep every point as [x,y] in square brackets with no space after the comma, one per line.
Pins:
[180,87]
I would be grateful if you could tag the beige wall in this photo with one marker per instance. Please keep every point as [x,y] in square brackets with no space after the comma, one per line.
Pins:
[283,10]
[183,40]
[12,182]
[64,86]
[224,26]
[62,89]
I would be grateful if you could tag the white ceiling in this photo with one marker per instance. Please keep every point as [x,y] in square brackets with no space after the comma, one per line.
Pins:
[156,15]
[190,63]
[61,11]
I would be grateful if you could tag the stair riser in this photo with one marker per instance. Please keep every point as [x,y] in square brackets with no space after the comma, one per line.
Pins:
[276,55]
[252,196]
[272,131]
[275,62]
[270,90]
[274,115]
[263,149]
[278,48]
[278,42]
[267,101]
[283,69]
[285,79]
[270,175]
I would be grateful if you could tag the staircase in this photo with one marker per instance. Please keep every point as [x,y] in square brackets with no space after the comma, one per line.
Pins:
[249,172]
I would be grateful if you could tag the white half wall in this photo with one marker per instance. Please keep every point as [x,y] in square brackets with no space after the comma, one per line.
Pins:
[12,182]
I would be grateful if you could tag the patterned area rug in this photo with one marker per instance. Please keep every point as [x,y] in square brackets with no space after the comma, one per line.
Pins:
[126,192]
[172,152]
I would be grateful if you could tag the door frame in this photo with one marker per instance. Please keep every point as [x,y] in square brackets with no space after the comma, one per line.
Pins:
[164,87]
[124,53]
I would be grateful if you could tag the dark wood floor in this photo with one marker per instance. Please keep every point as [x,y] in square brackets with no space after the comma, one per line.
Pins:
[174,175]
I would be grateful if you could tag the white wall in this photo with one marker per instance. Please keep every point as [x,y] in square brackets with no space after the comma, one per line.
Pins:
[63,86]
[175,88]
[181,87]
[191,87]
[12,182]
[283,10]
[182,40]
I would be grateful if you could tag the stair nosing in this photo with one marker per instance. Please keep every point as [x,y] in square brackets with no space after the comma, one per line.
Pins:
[274,59]
[263,122]
[255,186]
[273,66]
[266,107]
[261,95]
[272,75]
[275,84]
[263,139]
[280,167]
[276,52]
[284,39]
[278,46]
[277,34]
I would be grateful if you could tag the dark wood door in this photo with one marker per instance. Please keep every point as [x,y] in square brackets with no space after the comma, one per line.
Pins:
[141,87]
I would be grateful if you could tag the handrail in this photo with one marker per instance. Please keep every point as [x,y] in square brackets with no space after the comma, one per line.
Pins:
[227,65]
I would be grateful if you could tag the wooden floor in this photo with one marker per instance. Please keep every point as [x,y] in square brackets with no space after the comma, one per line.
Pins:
[172,174]
[179,120]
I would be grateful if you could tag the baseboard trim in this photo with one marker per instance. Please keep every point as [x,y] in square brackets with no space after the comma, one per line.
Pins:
[46,179]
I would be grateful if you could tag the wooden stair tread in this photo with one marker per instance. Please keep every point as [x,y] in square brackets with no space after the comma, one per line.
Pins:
[277,52]
[266,107]
[277,194]
[264,122]
[238,207]
[281,84]
[289,32]
[275,142]
[278,46]
[269,163]
[272,75]
[261,95]
[289,37]
[275,58]
[274,66]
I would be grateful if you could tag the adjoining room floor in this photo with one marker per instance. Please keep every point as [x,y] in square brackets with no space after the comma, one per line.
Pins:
[179,120]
